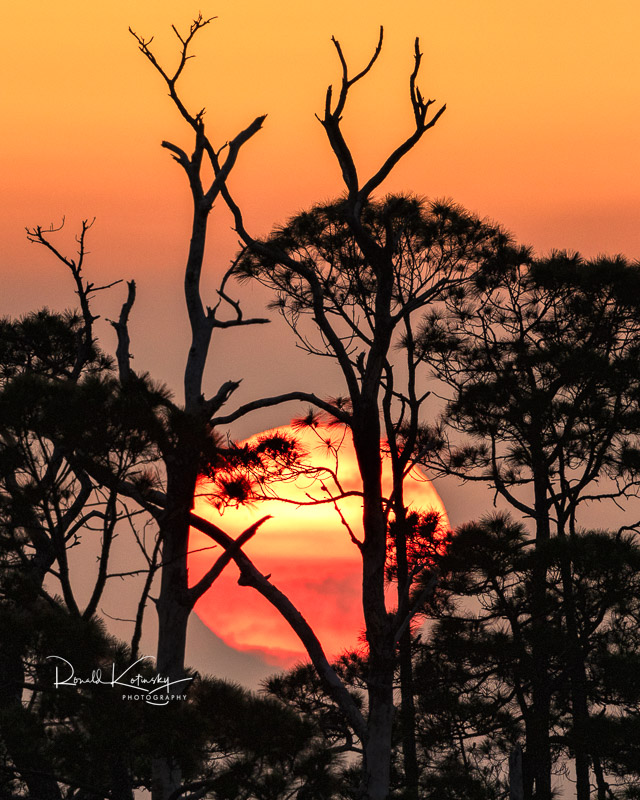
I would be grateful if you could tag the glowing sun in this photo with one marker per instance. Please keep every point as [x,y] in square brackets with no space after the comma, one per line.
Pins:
[306,548]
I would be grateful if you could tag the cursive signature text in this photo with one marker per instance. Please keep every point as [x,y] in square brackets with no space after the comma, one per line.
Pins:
[156,689]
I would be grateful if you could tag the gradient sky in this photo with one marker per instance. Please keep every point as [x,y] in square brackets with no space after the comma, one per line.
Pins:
[541,134]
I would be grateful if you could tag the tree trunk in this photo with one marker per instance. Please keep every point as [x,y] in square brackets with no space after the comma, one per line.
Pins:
[380,634]
[578,679]
[377,756]
[407,703]
[408,717]
[174,603]
[516,776]
[604,793]
[540,752]
[382,659]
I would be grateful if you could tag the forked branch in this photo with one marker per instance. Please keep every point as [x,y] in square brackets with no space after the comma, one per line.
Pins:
[40,235]
[333,117]
[420,106]
[202,144]
[347,82]
[423,124]
[84,289]
[171,80]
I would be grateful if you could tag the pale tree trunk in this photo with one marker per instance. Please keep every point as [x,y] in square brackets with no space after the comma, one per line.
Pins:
[377,763]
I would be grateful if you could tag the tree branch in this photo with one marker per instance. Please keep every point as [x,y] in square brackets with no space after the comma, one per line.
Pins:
[267,402]
[121,328]
[205,583]
[251,576]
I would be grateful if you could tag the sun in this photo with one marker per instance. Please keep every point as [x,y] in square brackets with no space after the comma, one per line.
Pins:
[306,547]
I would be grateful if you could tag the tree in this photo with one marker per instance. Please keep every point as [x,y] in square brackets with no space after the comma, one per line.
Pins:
[50,367]
[361,272]
[367,235]
[539,364]
[473,670]
[62,485]
[480,650]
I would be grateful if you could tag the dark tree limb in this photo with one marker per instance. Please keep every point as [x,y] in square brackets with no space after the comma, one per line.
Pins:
[121,327]
[333,117]
[84,290]
[208,579]
[267,402]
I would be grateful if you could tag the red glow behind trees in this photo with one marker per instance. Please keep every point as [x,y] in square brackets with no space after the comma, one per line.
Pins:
[309,545]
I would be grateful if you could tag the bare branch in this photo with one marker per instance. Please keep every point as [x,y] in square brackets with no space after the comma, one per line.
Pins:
[121,328]
[220,398]
[84,290]
[144,46]
[179,154]
[205,583]
[251,576]
[236,323]
[420,109]
[332,118]
[239,318]
[110,520]
[142,603]
[222,172]
[347,82]
[267,402]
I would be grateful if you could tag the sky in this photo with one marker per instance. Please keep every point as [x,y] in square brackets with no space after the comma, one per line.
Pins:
[540,134]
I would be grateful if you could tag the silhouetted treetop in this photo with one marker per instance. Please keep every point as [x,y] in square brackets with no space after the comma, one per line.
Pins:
[415,253]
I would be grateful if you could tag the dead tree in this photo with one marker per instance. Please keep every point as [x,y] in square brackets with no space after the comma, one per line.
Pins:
[185,436]
[367,379]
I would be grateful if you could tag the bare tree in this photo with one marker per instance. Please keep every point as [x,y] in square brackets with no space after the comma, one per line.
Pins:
[361,271]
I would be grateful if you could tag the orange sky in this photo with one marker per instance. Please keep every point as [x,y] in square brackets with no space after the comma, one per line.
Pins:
[541,130]
[541,133]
